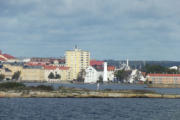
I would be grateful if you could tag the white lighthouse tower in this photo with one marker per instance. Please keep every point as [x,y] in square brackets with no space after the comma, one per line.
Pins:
[105,72]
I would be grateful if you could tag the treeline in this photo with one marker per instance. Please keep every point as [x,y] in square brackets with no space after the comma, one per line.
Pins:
[159,69]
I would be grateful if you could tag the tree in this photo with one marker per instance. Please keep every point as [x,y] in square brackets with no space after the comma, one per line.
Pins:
[51,76]
[16,75]
[158,69]
[122,75]
[100,79]
[81,76]
[2,77]
[57,76]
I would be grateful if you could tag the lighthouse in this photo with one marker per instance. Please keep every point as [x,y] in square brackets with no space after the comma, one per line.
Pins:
[105,72]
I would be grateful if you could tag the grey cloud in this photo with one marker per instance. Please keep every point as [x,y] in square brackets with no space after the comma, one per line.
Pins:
[116,24]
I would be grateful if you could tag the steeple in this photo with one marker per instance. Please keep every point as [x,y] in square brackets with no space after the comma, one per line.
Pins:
[75,47]
[127,63]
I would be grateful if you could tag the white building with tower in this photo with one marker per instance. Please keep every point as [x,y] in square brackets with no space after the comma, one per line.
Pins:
[93,73]
[125,66]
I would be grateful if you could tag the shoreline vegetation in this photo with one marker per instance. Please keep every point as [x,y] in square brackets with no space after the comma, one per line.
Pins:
[20,90]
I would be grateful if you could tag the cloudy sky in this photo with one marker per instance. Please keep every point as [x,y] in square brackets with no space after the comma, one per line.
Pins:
[109,29]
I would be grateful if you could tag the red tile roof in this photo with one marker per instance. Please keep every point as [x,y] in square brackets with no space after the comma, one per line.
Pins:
[36,64]
[8,56]
[50,67]
[144,74]
[64,68]
[2,59]
[111,68]
[164,75]
[101,68]
[95,62]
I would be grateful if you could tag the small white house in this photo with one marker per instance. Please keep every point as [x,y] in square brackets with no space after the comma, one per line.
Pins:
[136,74]
[173,68]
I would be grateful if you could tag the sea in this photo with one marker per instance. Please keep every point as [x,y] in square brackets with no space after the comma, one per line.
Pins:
[92,108]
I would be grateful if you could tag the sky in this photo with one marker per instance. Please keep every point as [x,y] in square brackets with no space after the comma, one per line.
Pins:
[109,29]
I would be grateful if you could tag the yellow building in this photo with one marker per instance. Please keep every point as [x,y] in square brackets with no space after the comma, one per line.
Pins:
[8,74]
[64,72]
[77,60]
[13,68]
[33,75]
[9,70]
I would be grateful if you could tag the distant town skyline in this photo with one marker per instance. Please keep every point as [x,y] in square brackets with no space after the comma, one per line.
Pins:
[109,29]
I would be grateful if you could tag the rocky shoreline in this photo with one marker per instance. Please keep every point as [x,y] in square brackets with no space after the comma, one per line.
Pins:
[83,94]
[20,90]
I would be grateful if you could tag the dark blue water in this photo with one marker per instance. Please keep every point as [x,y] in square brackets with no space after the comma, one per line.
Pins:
[115,87]
[89,109]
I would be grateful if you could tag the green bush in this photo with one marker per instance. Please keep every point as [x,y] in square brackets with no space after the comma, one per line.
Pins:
[2,77]
[11,86]
[108,89]
[42,87]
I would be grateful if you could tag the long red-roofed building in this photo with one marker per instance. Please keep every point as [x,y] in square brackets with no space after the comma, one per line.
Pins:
[164,78]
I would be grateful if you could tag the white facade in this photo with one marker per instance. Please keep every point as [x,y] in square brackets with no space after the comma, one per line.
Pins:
[92,75]
[110,75]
